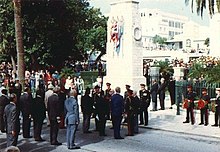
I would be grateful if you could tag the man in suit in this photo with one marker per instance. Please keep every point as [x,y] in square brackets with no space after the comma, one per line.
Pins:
[161,92]
[117,108]
[153,91]
[39,114]
[87,109]
[3,102]
[11,117]
[72,119]
[26,106]
[53,108]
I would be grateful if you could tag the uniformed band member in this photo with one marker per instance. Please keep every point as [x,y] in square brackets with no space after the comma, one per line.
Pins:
[144,104]
[129,109]
[204,112]
[217,108]
[190,96]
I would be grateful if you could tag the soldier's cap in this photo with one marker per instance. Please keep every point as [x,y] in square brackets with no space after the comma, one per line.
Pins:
[217,89]
[128,86]
[50,86]
[97,87]
[204,89]
[142,84]
[108,84]
[189,86]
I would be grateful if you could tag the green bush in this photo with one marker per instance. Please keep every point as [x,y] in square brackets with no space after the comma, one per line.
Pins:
[89,77]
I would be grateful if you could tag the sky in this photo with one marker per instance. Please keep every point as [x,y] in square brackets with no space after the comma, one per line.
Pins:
[171,6]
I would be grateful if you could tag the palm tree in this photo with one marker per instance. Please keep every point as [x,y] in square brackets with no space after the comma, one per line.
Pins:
[19,39]
[201,5]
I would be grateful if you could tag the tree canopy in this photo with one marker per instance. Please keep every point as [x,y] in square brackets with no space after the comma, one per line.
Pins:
[54,31]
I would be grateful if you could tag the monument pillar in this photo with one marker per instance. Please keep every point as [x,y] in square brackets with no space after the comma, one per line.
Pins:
[215,33]
[124,47]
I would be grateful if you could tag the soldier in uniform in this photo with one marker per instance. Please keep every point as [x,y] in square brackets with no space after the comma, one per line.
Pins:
[129,109]
[217,109]
[144,104]
[190,96]
[107,96]
[101,110]
[204,112]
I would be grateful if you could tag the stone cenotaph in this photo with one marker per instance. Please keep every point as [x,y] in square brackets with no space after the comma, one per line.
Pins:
[124,47]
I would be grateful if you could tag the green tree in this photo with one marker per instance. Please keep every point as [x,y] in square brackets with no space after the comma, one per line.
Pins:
[159,40]
[202,4]
[54,31]
[19,39]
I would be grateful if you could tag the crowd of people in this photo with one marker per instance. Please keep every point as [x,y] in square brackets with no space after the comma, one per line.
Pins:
[46,96]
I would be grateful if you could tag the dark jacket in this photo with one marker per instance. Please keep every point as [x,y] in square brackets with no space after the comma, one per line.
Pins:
[3,102]
[117,105]
[26,103]
[87,104]
[39,109]
[53,107]
[144,98]
[153,92]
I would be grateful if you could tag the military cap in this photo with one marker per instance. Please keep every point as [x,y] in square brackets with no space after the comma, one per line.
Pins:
[128,86]
[217,89]
[97,87]
[108,84]
[204,89]
[142,84]
[189,86]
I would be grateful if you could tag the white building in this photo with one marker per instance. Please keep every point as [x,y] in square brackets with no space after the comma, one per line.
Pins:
[181,32]
[156,22]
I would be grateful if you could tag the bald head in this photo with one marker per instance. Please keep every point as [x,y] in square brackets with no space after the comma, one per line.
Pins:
[73,93]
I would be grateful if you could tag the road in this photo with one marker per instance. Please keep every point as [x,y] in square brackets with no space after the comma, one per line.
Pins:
[148,140]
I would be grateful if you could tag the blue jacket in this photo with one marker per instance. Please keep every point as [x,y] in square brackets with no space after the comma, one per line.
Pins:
[117,105]
[72,111]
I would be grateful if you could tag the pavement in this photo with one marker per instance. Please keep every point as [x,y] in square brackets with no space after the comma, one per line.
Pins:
[164,120]
[167,120]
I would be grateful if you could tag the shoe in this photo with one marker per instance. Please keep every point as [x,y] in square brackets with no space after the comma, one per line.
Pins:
[119,138]
[206,124]
[103,135]
[214,125]
[171,108]
[27,136]
[87,132]
[145,124]
[129,135]
[77,147]
[56,143]
[3,131]
[141,123]
[201,123]
[39,139]
[186,121]
[111,128]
